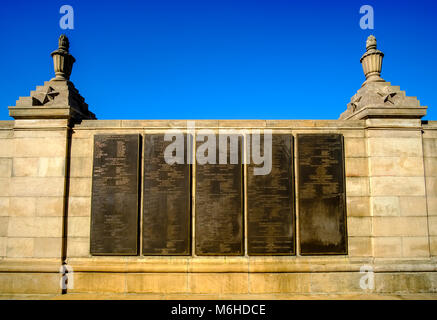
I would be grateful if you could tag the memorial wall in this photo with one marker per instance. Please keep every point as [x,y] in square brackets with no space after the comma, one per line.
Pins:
[219,196]
[217,209]
[237,209]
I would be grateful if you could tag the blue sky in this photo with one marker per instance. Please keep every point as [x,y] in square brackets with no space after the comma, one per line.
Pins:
[218,59]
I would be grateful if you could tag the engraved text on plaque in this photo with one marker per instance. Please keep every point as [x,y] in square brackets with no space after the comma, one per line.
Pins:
[270,201]
[219,206]
[322,203]
[114,204]
[166,199]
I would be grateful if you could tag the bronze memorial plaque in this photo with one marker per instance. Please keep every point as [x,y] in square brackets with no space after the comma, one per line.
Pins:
[166,198]
[219,200]
[322,195]
[270,200]
[114,204]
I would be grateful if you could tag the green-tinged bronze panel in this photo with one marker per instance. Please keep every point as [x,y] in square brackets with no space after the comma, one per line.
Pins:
[322,194]
[270,197]
[114,204]
[219,200]
[166,197]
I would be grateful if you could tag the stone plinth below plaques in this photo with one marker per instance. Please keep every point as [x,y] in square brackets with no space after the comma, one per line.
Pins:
[114,203]
[322,196]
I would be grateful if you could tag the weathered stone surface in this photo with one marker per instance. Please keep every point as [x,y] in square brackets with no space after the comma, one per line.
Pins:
[3,243]
[4,226]
[4,206]
[360,247]
[27,147]
[386,206]
[21,226]
[80,187]
[47,248]
[82,147]
[355,148]
[78,247]
[37,187]
[397,186]
[359,226]
[336,282]
[6,148]
[415,247]
[433,246]
[5,167]
[356,167]
[79,206]
[432,205]
[81,167]
[405,282]
[157,283]
[42,129]
[413,206]
[48,227]
[394,166]
[280,282]
[395,147]
[29,283]
[387,247]
[400,226]
[358,206]
[5,187]
[79,227]
[51,167]
[35,227]
[357,186]
[20,247]
[99,282]
[431,186]
[218,283]
[22,206]
[50,206]
[432,225]
[430,166]
[430,147]
[25,167]
[429,129]
[389,132]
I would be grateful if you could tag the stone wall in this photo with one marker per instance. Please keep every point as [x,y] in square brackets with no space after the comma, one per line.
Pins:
[397,187]
[391,186]
[430,164]
[32,189]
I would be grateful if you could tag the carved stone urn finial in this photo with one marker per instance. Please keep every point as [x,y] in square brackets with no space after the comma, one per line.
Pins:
[371,42]
[372,61]
[62,60]
[64,44]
